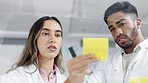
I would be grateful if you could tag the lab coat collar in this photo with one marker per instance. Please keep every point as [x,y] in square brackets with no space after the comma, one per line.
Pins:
[142,45]
[140,51]
[139,54]
[33,69]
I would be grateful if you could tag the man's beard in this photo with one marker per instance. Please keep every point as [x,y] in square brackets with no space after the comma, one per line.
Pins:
[131,39]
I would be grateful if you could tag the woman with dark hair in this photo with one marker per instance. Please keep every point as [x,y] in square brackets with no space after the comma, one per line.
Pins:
[41,57]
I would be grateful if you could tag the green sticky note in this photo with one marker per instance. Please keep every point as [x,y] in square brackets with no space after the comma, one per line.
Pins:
[139,80]
[98,46]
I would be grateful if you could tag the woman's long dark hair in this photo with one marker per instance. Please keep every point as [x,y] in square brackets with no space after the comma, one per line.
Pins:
[30,52]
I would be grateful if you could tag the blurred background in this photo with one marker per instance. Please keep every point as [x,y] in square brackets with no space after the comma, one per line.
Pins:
[80,18]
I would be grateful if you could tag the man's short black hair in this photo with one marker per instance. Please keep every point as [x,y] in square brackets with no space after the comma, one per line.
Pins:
[123,6]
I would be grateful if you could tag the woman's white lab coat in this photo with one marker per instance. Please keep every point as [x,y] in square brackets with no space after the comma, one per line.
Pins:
[112,71]
[28,75]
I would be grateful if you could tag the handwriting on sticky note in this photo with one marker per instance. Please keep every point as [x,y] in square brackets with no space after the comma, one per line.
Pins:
[97,46]
[139,80]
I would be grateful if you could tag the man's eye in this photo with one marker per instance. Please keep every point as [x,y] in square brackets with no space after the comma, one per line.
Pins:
[112,29]
[121,24]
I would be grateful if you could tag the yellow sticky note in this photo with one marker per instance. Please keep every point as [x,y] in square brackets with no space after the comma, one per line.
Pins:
[139,80]
[97,46]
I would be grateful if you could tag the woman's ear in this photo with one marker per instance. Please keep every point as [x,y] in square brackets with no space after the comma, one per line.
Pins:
[138,23]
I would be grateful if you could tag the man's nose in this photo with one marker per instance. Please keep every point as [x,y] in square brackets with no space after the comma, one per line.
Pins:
[119,32]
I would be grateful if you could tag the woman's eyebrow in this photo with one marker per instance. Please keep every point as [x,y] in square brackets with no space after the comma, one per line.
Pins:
[50,30]
[45,29]
[58,31]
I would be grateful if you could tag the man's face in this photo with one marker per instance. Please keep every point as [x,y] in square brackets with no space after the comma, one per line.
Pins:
[123,28]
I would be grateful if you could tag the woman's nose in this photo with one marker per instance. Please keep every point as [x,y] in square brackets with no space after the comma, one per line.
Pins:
[52,39]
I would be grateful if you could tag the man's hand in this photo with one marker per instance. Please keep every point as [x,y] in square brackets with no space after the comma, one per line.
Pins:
[78,68]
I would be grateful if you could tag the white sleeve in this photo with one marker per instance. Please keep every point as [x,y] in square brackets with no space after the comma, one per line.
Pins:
[97,75]
[11,77]
[8,79]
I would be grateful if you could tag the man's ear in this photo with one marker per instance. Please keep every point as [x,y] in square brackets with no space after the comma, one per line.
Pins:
[138,23]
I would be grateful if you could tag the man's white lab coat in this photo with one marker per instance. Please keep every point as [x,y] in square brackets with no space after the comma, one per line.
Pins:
[112,71]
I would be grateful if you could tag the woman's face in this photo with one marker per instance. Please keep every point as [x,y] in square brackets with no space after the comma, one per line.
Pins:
[50,40]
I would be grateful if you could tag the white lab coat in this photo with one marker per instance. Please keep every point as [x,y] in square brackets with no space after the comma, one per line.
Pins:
[112,71]
[28,75]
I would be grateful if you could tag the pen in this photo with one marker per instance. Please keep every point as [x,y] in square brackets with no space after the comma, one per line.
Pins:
[72,51]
